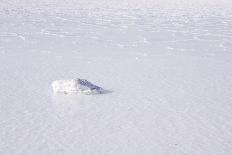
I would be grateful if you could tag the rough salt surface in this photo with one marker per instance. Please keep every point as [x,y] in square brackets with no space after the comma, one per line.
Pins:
[76,86]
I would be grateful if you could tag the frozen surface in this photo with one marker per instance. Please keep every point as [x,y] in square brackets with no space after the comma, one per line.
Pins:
[80,86]
[169,70]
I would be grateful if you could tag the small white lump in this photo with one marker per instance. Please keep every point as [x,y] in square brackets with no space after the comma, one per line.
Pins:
[76,86]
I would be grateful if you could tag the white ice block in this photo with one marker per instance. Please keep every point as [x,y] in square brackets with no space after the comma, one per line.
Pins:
[76,86]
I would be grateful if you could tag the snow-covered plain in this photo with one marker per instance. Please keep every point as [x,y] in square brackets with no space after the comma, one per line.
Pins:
[169,71]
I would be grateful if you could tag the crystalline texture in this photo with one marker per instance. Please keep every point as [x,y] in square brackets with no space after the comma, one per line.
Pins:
[76,86]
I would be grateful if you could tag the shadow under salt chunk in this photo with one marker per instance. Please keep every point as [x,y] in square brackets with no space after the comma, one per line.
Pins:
[80,86]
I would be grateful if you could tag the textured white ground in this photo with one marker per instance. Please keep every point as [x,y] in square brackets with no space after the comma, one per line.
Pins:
[169,70]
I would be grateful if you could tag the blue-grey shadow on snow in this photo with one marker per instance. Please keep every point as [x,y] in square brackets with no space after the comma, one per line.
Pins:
[104,92]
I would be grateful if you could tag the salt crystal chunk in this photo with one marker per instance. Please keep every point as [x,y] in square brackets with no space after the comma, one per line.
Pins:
[76,86]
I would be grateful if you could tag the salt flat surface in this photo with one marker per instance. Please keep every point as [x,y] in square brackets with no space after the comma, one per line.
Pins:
[169,72]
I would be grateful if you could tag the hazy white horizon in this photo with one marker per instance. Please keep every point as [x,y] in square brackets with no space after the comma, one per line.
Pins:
[117,3]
